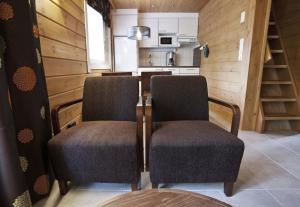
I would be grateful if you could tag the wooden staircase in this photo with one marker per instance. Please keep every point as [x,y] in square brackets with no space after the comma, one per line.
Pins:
[278,107]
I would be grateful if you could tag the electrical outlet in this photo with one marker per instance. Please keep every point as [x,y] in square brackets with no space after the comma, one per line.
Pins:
[243,17]
[241,49]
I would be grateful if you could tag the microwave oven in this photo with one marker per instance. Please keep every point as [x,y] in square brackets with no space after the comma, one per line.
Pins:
[168,41]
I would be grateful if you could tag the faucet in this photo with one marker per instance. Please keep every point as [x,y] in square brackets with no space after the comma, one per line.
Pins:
[150,59]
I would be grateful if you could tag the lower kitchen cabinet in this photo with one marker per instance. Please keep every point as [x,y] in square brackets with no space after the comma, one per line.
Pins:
[189,71]
[174,70]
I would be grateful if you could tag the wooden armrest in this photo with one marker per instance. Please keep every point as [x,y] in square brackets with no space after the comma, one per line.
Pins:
[235,123]
[55,114]
[140,102]
[149,101]
[148,114]
[139,130]
[139,118]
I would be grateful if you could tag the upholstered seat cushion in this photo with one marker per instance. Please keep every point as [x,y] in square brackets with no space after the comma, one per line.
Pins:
[99,151]
[194,151]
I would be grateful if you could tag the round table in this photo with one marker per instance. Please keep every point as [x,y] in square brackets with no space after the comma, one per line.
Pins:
[164,198]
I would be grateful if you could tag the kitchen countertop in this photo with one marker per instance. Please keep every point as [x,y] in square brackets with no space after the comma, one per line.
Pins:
[169,66]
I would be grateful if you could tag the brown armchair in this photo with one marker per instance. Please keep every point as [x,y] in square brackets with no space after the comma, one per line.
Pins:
[146,77]
[117,74]
[107,145]
[182,146]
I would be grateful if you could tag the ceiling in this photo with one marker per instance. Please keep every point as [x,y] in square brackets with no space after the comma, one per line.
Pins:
[160,5]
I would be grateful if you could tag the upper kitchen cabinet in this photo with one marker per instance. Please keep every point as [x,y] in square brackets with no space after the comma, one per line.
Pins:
[123,19]
[168,25]
[188,27]
[153,24]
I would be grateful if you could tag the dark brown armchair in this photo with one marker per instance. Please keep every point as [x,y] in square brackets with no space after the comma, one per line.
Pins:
[117,74]
[107,145]
[181,144]
[146,77]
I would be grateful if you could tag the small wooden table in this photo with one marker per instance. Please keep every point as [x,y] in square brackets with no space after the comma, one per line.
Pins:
[163,198]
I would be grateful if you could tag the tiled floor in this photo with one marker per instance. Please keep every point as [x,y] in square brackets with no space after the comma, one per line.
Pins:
[269,176]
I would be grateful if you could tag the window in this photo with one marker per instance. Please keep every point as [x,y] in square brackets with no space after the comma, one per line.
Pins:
[98,41]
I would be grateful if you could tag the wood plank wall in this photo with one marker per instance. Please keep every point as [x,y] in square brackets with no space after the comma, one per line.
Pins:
[288,17]
[219,26]
[63,49]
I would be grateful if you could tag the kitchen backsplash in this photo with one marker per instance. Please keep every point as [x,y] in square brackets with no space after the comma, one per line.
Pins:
[184,55]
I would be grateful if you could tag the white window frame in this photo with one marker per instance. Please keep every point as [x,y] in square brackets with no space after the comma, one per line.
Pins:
[94,64]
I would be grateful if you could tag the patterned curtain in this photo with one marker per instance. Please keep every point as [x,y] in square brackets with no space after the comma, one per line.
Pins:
[103,7]
[13,188]
[29,101]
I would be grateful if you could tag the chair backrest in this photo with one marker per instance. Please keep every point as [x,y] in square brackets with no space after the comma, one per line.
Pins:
[110,98]
[117,74]
[179,98]
[146,76]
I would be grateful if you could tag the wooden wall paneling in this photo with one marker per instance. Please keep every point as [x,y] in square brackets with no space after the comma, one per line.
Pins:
[61,84]
[79,3]
[220,116]
[58,67]
[52,30]
[71,8]
[221,28]
[70,113]
[63,49]
[65,97]
[50,10]
[53,48]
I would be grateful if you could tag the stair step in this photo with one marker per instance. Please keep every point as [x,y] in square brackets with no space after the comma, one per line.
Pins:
[276,82]
[275,66]
[278,99]
[276,51]
[272,23]
[273,36]
[281,117]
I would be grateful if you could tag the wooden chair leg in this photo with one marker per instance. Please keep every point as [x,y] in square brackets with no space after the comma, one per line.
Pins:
[154,185]
[228,188]
[134,187]
[63,187]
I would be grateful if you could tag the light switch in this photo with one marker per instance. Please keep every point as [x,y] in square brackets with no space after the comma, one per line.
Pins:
[241,49]
[243,17]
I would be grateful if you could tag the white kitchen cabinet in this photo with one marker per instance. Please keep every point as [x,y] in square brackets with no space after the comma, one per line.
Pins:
[168,25]
[122,23]
[175,71]
[153,40]
[150,69]
[189,71]
[188,27]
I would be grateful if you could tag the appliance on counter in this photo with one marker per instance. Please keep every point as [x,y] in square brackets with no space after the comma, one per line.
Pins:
[125,56]
[168,40]
[170,59]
